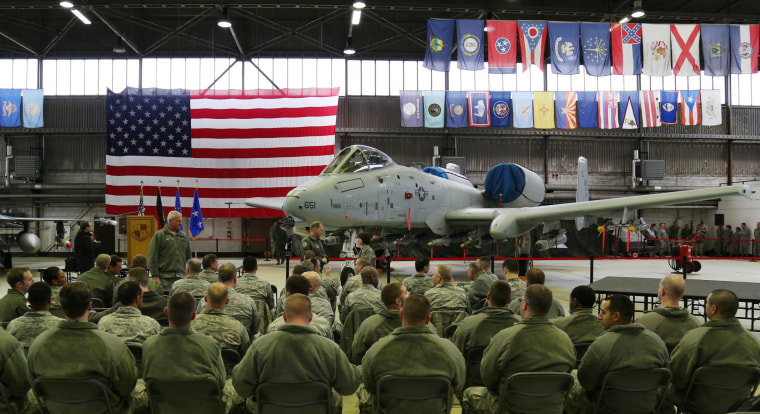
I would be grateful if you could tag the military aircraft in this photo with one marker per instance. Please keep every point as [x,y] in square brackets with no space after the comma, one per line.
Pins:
[362,188]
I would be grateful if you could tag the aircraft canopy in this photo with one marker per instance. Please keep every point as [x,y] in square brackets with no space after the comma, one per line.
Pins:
[358,158]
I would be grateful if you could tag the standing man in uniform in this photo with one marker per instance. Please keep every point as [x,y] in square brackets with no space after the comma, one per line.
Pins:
[699,243]
[746,240]
[84,248]
[662,234]
[169,250]
[279,238]
[312,242]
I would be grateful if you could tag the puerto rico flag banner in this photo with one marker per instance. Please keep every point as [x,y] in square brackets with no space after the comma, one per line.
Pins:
[532,40]
[684,39]
[608,102]
[587,110]
[456,109]
[501,109]
[650,109]
[480,109]
[236,144]
[566,111]
[711,112]
[470,44]
[522,109]
[440,43]
[669,107]
[629,110]
[656,49]
[715,49]
[745,42]
[502,46]
[435,102]
[564,47]
[411,109]
[595,38]
[543,110]
[11,101]
[690,112]
[626,48]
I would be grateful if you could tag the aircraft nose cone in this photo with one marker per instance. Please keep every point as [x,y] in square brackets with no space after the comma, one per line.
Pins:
[290,206]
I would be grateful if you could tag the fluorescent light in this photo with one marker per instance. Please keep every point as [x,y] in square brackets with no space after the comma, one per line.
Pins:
[66,4]
[224,23]
[81,16]
[356,17]
[625,20]
[359,4]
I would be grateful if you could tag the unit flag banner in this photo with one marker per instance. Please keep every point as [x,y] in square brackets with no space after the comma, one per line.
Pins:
[501,109]
[690,112]
[411,109]
[565,107]
[435,101]
[480,109]
[608,102]
[650,109]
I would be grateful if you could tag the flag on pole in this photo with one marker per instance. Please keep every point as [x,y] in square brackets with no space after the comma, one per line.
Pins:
[745,42]
[669,107]
[196,217]
[711,112]
[626,48]
[532,40]
[440,43]
[159,209]
[595,38]
[501,112]
[566,110]
[650,109]
[141,206]
[470,49]
[178,204]
[502,46]
[656,45]
[685,54]
[608,102]
[565,50]
[543,110]
[690,111]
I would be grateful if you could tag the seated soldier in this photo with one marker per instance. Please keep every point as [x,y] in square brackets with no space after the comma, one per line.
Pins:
[253,286]
[366,297]
[141,261]
[15,373]
[214,321]
[113,270]
[128,323]
[83,351]
[420,282]
[581,325]
[484,268]
[210,265]
[509,269]
[56,279]
[330,288]
[536,276]
[444,295]
[300,284]
[481,282]
[319,304]
[295,353]
[153,303]
[241,307]
[100,283]
[38,320]
[413,349]
[668,320]
[478,329]
[13,304]
[192,283]
[355,282]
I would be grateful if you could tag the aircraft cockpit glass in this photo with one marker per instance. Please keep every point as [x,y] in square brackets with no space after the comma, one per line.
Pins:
[358,158]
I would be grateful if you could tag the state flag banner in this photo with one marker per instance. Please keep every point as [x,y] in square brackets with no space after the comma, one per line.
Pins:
[522,109]
[745,42]
[608,102]
[440,43]
[684,39]
[626,48]
[656,49]
[411,109]
[564,47]
[501,109]
[532,41]
[587,110]
[470,44]
[456,109]
[435,101]
[543,110]
[690,111]
[650,109]
[502,46]
[669,107]
[629,109]
[715,49]
[480,109]
[595,38]
[566,110]
[234,144]
[11,101]
[33,114]
[711,110]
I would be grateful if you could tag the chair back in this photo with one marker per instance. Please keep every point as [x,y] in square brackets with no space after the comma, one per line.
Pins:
[732,383]
[634,391]
[193,396]
[353,321]
[136,351]
[472,363]
[265,313]
[532,392]
[7,405]
[443,319]
[396,394]
[580,351]
[76,394]
[98,303]
[280,398]
[231,358]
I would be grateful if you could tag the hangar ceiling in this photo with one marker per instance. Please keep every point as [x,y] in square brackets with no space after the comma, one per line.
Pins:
[388,29]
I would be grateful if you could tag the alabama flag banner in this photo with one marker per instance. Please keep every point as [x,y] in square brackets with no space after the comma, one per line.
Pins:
[690,112]
[626,48]
[745,42]
[685,42]
[532,41]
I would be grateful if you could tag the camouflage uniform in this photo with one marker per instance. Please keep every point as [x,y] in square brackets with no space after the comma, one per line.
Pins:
[581,326]
[331,288]
[446,296]
[259,289]
[517,287]
[241,307]
[369,254]
[489,274]
[372,330]
[478,329]
[100,283]
[130,325]
[556,311]
[418,283]
[209,275]
[27,327]
[366,297]
[353,283]
[55,297]
[321,306]
[225,329]
[478,291]
[194,285]
[319,323]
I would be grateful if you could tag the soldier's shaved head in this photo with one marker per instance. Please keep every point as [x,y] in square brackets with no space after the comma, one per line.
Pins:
[216,296]
[444,271]
[416,311]
[674,286]
[297,309]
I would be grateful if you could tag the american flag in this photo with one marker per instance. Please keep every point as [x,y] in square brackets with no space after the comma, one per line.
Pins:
[235,144]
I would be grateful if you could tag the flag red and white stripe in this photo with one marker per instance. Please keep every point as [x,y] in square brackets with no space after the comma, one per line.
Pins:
[607,105]
[245,144]
[650,109]
[684,39]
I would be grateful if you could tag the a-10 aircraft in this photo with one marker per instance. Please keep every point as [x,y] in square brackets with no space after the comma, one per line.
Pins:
[363,189]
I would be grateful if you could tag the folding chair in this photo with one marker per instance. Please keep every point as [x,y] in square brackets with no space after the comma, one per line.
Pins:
[353,321]
[280,398]
[580,351]
[734,382]
[530,392]
[136,351]
[7,404]
[266,316]
[71,392]
[433,393]
[443,319]
[643,384]
[472,363]
[195,396]
[231,358]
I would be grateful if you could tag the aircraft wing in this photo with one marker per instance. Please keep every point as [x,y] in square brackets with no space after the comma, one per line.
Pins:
[275,203]
[4,218]
[512,222]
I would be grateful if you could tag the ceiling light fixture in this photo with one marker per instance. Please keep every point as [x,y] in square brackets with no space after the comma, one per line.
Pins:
[81,16]
[224,22]
[638,11]
[625,20]
[349,50]
[356,17]
[66,4]
[119,48]
[359,4]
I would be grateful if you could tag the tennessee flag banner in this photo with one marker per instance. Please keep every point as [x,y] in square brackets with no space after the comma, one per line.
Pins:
[480,109]
[745,42]
[502,46]
[626,48]
[685,41]
[522,109]
[595,38]
[532,40]
[435,101]
[470,48]
[711,112]
[656,49]
[690,112]
[440,43]
[608,102]
[565,50]
[543,110]
[456,109]
[650,109]
[587,110]
[669,107]
[501,112]
[629,110]
[715,49]
[565,109]
[411,108]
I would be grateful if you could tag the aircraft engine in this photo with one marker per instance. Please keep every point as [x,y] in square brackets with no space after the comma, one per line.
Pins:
[28,242]
[514,186]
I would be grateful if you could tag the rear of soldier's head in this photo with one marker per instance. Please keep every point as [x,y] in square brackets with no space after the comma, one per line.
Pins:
[227,273]
[444,271]
[722,303]
[368,275]
[297,284]
[619,304]
[511,265]
[297,309]
[102,261]
[584,295]
[209,260]
[193,267]
[535,276]
[499,294]
[421,263]
[139,275]
[310,254]
[180,309]
[485,263]
[250,264]
[140,261]
[75,299]
[39,296]
[128,292]
[217,295]
[539,299]
[299,269]
[674,285]
[361,263]
[416,311]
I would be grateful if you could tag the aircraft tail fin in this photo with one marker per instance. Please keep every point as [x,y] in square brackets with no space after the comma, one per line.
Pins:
[581,191]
